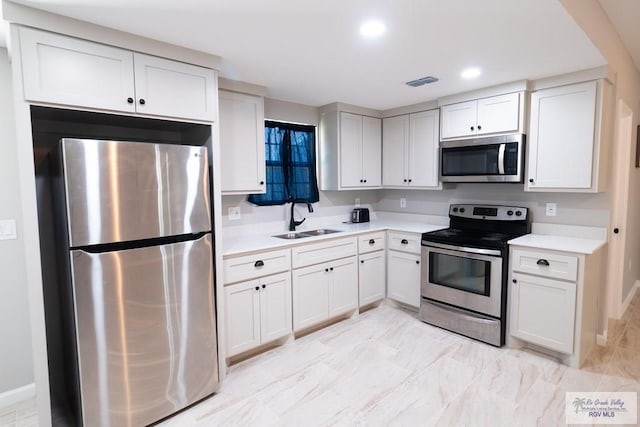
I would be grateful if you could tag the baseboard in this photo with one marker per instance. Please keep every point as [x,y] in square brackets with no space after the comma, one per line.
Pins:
[627,300]
[601,339]
[11,397]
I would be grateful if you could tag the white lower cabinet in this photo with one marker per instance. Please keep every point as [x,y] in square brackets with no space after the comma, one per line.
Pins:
[257,311]
[371,277]
[543,311]
[323,291]
[403,277]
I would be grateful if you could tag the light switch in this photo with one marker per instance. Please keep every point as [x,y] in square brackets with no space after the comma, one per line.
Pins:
[403,202]
[234,213]
[551,209]
[8,229]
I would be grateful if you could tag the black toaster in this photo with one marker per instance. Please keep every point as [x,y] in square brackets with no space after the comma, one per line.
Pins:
[360,215]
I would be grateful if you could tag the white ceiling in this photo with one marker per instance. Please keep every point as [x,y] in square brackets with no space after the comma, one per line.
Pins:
[310,51]
[625,17]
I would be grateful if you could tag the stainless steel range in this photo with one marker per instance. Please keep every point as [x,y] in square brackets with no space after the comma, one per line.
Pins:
[464,270]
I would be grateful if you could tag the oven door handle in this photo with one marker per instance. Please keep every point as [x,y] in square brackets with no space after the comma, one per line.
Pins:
[501,158]
[478,251]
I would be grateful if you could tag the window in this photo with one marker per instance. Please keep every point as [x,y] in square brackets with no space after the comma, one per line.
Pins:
[290,155]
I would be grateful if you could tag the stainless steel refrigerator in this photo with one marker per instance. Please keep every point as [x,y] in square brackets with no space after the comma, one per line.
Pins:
[140,251]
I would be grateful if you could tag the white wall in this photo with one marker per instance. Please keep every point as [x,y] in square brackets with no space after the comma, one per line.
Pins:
[575,209]
[16,368]
[595,23]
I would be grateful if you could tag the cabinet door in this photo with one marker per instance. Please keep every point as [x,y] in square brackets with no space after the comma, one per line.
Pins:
[499,114]
[395,140]
[64,70]
[561,137]
[275,307]
[371,152]
[403,277]
[458,120]
[242,143]
[310,296]
[371,277]
[174,89]
[243,316]
[423,159]
[343,286]
[350,150]
[543,311]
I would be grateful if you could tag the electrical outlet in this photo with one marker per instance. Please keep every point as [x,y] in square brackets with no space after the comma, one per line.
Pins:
[551,209]
[234,213]
[403,202]
[8,229]
[629,264]
[357,202]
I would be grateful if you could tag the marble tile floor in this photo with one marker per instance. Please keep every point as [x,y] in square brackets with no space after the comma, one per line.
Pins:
[385,367]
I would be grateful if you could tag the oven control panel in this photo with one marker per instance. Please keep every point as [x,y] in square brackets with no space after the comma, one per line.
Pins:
[490,212]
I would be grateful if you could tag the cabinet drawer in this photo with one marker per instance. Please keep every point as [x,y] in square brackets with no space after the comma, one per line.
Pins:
[405,242]
[546,264]
[371,242]
[315,253]
[256,265]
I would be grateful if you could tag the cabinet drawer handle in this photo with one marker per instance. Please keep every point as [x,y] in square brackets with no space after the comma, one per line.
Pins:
[543,262]
[404,242]
[259,263]
[372,242]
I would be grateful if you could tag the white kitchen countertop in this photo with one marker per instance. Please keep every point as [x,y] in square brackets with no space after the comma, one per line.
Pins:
[249,242]
[559,243]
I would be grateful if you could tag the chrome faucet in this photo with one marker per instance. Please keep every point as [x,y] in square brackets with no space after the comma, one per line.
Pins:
[293,222]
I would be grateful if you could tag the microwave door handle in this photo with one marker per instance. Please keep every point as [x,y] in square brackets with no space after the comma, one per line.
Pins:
[501,158]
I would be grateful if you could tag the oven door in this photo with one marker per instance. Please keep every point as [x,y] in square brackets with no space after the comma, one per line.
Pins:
[468,278]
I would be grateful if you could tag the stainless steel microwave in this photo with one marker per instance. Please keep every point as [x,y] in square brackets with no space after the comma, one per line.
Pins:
[490,159]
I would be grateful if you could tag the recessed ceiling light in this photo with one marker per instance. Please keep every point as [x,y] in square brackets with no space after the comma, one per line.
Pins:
[471,73]
[373,28]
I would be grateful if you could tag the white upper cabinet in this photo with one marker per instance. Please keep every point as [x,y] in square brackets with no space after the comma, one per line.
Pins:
[410,151]
[242,143]
[568,139]
[486,116]
[350,151]
[67,71]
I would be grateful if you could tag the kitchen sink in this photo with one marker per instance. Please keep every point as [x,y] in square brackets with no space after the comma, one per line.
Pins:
[302,234]
[319,232]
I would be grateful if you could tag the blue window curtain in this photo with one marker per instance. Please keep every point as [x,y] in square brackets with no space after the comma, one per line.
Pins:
[290,155]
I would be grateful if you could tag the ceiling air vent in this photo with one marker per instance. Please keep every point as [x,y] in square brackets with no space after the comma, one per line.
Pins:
[422,81]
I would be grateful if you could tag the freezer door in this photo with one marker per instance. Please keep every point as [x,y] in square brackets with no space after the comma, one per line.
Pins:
[122,191]
[146,332]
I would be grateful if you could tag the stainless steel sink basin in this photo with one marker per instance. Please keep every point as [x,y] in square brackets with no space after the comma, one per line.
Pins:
[291,236]
[319,232]
[302,234]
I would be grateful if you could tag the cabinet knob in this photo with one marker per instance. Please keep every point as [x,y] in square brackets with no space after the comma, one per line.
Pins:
[361,180]
[331,269]
[543,262]
[130,100]
[261,182]
[405,180]
[417,262]
[257,288]
[404,241]
[365,180]
[479,127]
[259,263]
[372,242]
[326,270]
[264,286]
[409,179]
[514,281]
[531,180]
[616,230]
[142,101]
[361,261]
[471,127]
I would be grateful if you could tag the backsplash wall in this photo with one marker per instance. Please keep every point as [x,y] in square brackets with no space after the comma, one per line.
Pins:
[575,209]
